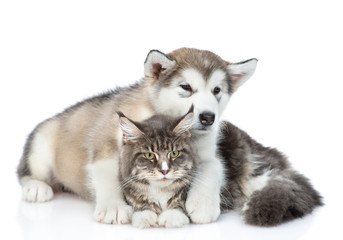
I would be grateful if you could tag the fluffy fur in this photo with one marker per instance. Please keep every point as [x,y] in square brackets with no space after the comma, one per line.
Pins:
[157,165]
[260,181]
[78,149]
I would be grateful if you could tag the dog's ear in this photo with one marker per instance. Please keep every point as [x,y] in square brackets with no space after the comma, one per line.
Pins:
[184,125]
[131,133]
[156,63]
[240,72]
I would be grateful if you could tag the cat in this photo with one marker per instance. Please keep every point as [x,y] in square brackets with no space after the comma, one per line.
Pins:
[156,167]
[78,149]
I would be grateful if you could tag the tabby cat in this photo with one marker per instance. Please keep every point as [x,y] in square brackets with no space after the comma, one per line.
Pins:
[157,164]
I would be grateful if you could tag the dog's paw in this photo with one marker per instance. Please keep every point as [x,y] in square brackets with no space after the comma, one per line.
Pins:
[144,219]
[37,191]
[113,214]
[173,218]
[202,210]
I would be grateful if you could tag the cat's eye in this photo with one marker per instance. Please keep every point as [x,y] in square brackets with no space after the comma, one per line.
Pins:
[186,87]
[174,154]
[149,155]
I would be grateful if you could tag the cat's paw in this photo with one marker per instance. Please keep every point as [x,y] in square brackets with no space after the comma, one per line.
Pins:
[144,219]
[114,214]
[202,210]
[37,191]
[173,218]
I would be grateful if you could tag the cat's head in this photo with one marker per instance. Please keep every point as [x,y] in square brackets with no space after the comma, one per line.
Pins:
[157,150]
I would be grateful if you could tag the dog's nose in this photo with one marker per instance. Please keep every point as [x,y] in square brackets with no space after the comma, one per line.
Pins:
[207,118]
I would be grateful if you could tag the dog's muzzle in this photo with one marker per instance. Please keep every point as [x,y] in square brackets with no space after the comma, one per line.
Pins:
[206,118]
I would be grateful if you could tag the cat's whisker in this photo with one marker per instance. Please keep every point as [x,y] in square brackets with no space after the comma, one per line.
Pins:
[128,182]
[185,182]
[154,179]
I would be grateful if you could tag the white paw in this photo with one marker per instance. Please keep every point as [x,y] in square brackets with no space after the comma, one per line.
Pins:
[144,219]
[173,218]
[37,191]
[202,210]
[114,214]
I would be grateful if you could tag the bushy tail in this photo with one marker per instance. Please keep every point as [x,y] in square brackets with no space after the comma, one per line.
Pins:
[287,196]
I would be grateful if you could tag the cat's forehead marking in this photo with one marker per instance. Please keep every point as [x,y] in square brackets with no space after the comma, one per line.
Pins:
[161,143]
[164,166]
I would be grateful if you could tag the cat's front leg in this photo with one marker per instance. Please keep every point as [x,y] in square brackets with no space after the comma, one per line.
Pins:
[110,206]
[144,219]
[173,218]
[203,200]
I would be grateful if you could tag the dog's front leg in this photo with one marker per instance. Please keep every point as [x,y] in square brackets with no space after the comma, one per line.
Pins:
[203,200]
[110,206]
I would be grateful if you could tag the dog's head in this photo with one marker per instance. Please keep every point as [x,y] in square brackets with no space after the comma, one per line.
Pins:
[190,76]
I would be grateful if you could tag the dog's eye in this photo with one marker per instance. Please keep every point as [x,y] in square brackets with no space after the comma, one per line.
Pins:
[186,87]
[216,90]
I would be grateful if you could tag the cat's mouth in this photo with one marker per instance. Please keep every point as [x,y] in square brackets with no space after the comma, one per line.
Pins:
[165,179]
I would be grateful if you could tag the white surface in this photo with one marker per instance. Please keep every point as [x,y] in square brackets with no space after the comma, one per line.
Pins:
[54,53]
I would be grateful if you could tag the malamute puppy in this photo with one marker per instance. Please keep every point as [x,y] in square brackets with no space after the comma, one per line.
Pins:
[77,150]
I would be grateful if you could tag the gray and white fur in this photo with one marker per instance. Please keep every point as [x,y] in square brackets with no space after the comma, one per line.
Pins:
[157,165]
[261,182]
[78,149]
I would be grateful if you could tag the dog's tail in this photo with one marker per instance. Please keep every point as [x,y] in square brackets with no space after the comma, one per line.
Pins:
[284,198]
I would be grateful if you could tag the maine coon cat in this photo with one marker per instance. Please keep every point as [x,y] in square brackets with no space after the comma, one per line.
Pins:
[157,165]
[78,148]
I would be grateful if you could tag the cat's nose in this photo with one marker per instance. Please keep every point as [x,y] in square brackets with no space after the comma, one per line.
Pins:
[164,168]
[207,118]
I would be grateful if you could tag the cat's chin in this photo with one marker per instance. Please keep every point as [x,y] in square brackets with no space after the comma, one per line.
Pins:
[161,182]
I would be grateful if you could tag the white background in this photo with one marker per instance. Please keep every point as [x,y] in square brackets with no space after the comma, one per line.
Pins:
[54,53]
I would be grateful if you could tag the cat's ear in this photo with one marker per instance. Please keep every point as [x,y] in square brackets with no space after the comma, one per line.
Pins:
[240,72]
[156,63]
[184,125]
[131,133]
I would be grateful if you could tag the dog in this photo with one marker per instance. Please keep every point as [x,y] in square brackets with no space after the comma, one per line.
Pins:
[77,150]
